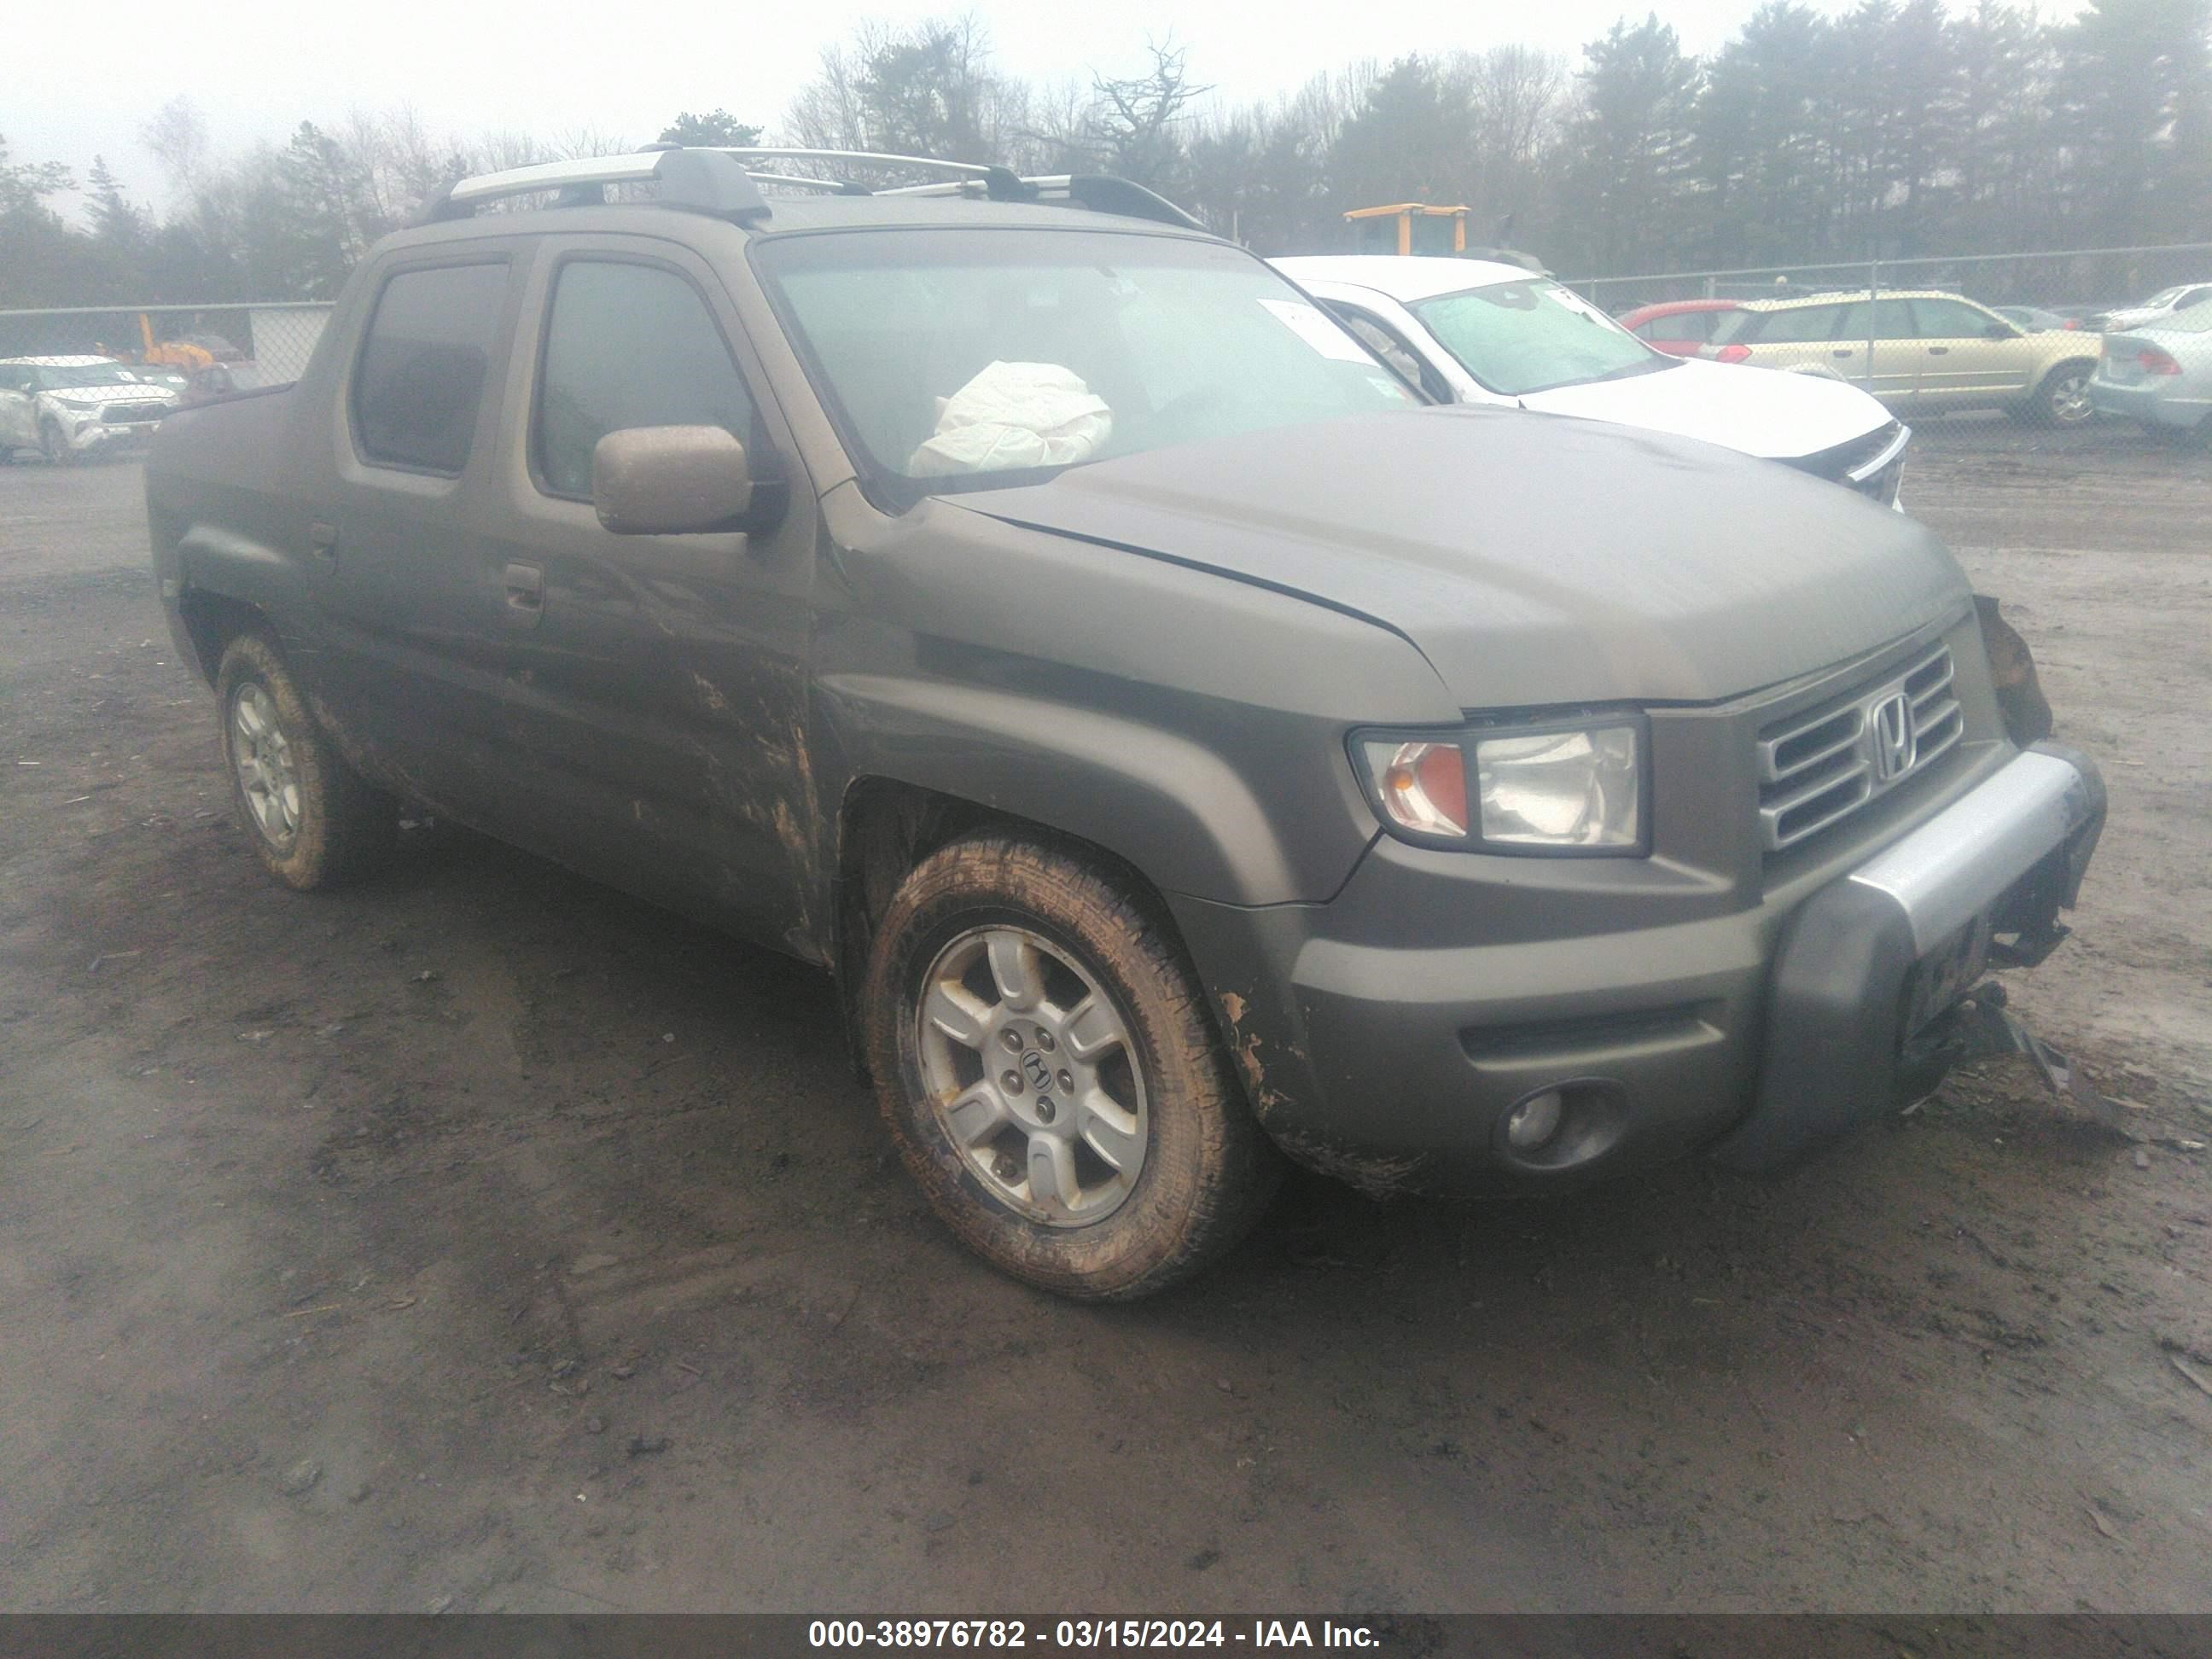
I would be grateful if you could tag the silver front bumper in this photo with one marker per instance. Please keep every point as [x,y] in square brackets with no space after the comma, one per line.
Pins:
[1959,863]
[1995,867]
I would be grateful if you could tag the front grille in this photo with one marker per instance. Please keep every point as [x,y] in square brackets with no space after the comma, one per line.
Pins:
[125,414]
[1815,769]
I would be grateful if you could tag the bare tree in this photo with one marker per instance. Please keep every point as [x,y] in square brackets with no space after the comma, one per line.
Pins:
[178,136]
[1135,123]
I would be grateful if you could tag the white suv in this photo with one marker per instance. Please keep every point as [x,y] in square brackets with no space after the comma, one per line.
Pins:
[70,407]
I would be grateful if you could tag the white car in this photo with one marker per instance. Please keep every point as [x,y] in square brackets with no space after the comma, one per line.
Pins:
[1473,332]
[2156,309]
[70,407]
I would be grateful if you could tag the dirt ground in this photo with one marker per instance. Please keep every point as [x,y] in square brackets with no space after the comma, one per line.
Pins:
[479,1239]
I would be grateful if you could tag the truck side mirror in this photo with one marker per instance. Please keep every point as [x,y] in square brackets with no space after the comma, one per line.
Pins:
[679,481]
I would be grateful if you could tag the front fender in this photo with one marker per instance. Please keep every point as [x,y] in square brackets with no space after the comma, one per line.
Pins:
[1176,810]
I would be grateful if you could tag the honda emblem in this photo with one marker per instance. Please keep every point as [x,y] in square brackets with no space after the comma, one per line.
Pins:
[1895,736]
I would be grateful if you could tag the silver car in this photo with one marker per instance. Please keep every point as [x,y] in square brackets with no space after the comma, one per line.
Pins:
[2161,375]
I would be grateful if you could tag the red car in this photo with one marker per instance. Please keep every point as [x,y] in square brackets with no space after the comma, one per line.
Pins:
[1677,327]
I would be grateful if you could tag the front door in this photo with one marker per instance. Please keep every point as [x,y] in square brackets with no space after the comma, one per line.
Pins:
[1962,367]
[656,686]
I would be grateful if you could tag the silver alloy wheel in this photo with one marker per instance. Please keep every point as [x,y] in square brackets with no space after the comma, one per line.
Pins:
[1037,1082]
[2070,401]
[267,777]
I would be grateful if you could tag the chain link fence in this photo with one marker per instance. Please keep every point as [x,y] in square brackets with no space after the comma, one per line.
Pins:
[1950,334]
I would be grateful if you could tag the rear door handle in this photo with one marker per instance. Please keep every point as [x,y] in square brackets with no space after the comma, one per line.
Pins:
[324,539]
[525,594]
[1845,351]
[1937,351]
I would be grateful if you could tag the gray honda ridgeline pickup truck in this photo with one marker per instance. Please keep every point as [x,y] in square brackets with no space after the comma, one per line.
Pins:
[1186,749]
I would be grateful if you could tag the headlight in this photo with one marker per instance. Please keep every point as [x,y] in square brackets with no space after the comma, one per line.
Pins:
[1551,788]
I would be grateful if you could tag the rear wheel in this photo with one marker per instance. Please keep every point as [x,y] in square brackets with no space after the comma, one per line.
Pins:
[2062,399]
[312,820]
[1045,1062]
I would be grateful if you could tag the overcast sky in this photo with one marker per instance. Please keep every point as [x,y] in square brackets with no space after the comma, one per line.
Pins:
[85,77]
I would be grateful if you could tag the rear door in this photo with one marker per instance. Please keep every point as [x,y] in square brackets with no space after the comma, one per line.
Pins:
[1898,371]
[405,630]
[1961,366]
[657,686]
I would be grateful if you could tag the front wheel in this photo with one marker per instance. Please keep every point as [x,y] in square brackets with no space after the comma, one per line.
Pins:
[312,820]
[54,444]
[1046,1064]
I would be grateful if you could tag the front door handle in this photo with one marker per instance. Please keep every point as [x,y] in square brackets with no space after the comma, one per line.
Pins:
[324,539]
[526,595]
[1845,351]
[1938,351]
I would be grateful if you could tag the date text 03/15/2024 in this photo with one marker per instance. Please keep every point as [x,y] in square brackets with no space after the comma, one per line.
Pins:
[1089,1634]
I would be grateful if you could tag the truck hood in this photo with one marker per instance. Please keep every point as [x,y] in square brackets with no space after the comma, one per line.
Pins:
[1781,416]
[1533,561]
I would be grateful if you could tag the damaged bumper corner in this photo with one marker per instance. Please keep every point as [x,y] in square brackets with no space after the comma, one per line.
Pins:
[1868,993]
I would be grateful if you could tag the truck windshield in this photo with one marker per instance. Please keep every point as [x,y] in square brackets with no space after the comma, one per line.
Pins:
[53,376]
[979,358]
[1522,337]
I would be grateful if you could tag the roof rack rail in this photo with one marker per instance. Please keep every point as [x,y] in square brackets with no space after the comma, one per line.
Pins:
[1101,192]
[699,180]
[713,179]
[1001,184]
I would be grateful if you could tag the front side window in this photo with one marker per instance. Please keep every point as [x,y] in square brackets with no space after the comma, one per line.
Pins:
[1529,336]
[1949,320]
[629,346]
[422,370]
[977,359]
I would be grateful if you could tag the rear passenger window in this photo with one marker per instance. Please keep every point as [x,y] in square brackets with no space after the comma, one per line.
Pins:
[1890,319]
[629,346]
[422,370]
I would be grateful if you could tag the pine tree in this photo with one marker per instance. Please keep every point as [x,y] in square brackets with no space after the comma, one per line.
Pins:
[1630,186]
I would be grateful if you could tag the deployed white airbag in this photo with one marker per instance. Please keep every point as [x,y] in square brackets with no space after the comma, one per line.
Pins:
[1015,415]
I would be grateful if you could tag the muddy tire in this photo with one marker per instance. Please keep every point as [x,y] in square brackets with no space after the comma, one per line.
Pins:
[1045,1061]
[310,818]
